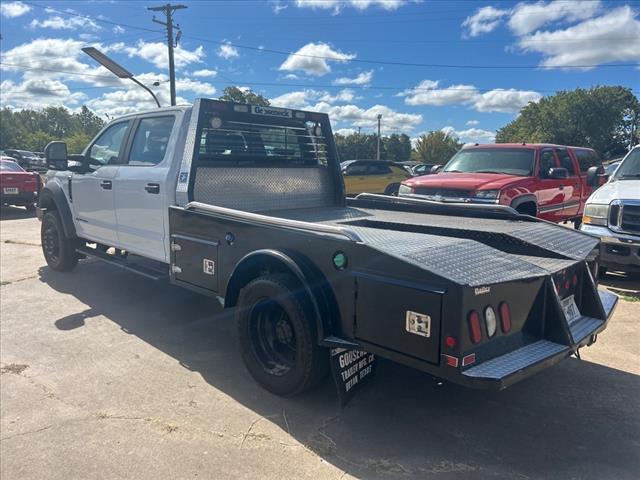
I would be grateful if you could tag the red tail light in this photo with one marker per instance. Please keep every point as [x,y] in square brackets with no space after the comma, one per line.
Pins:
[450,341]
[474,326]
[505,317]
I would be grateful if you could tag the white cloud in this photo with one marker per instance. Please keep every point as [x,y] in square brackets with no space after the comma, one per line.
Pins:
[118,29]
[313,59]
[304,99]
[528,17]
[65,23]
[338,5]
[427,92]
[612,37]
[510,100]
[204,73]
[228,51]
[37,93]
[291,76]
[13,9]
[156,53]
[353,115]
[363,78]
[472,123]
[277,6]
[345,131]
[471,135]
[484,20]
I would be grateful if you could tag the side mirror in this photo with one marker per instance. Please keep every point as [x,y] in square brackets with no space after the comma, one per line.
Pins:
[436,169]
[558,173]
[55,154]
[592,176]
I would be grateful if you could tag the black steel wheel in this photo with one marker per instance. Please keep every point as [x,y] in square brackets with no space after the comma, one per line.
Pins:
[59,251]
[279,337]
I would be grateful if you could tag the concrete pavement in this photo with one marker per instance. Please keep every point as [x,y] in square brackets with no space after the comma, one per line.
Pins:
[109,375]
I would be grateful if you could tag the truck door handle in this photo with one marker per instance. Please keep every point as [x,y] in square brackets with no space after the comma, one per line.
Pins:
[106,184]
[152,188]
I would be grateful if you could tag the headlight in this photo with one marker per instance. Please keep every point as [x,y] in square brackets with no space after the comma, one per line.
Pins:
[405,190]
[595,214]
[488,194]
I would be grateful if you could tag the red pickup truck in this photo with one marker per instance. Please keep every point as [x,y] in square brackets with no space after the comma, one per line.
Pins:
[552,182]
[17,186]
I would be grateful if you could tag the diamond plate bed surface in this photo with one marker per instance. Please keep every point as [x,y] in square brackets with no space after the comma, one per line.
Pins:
[511,362]
[583,327]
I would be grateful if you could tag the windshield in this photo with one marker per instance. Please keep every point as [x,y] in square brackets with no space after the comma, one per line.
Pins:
[630,166]
[10,167]
[492,160]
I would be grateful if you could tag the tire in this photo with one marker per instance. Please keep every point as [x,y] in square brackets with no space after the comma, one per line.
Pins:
[278,336]
[577,223]
[59,251]
[392,189]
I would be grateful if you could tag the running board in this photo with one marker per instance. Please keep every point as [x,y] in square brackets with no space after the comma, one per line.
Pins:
[125,264]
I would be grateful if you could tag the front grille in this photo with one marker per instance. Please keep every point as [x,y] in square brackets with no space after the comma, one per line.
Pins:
[630,218]
[442,192]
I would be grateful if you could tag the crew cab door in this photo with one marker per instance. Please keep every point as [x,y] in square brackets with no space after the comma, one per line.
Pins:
[92,192]
[142,186]
[550,191]
[572,184]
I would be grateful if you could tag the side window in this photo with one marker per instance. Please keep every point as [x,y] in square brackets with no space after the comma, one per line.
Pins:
[587,159]
[378,169]
[547,161]
[106,149]
[566,161]
[357,169]
[150,141]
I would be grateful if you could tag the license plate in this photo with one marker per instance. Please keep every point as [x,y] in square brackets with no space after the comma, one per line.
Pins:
[10,190]
[570,309]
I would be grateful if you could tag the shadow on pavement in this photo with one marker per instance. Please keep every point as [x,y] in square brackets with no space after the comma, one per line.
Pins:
[576,420]
[15,213]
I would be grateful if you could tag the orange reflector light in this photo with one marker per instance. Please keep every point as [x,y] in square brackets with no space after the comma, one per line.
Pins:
[474,326]
[451,361]
[468,359]
[505,317]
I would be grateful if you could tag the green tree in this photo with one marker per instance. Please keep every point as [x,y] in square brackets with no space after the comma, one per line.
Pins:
[398,147]
[238,95]
[602,118]
[436,147]
[356,146]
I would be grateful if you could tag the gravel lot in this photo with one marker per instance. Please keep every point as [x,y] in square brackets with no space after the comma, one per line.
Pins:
[109,375]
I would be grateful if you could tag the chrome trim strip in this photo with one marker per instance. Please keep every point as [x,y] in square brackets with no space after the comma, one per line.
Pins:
[275,221]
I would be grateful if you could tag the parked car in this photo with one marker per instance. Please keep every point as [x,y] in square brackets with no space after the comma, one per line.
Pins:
[17,186]
[317,278]
[422,169]
[548,181]
[372,176]
[27,160]
[613,213]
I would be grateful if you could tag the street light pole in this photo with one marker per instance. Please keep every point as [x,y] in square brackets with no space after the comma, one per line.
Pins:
[168,11]
[118,70]
[378,150]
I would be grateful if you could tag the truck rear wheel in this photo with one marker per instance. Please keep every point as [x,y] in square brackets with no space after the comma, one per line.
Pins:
[59,251]
[278,337]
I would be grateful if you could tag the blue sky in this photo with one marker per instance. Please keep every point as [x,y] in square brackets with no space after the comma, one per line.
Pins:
[423,65]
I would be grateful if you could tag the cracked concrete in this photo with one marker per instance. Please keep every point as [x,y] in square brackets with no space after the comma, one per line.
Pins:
[108,375]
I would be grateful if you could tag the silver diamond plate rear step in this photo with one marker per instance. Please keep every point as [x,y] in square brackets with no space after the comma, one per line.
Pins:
[504,365]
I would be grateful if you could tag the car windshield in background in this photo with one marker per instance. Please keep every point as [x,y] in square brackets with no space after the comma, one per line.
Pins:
[499,160]
[10,167]
[630,167]
[247,143]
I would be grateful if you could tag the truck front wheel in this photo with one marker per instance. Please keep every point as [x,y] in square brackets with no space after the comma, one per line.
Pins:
[278,336]
[59,251]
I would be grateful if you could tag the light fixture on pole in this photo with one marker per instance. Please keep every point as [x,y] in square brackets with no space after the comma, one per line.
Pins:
[116,69]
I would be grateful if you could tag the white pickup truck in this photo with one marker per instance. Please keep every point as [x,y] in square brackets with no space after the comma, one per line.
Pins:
[613,213]
[246,203]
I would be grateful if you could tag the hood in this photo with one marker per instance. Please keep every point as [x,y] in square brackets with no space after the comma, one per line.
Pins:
[619,189]
[464,181]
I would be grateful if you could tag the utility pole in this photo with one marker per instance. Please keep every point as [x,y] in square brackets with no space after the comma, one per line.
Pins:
[358,144]
[168,11]
[378,150]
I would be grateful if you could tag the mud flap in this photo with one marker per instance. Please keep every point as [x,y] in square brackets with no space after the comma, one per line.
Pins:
[351,370]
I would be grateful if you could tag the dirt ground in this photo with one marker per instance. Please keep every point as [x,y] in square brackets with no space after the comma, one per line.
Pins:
[108,375]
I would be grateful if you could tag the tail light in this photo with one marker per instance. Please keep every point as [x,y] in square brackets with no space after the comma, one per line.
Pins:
[505,317]
[474,326]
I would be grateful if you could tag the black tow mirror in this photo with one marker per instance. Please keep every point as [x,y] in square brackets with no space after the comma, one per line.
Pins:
[436,169]
[55,154]
[594,174]
[558,173]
